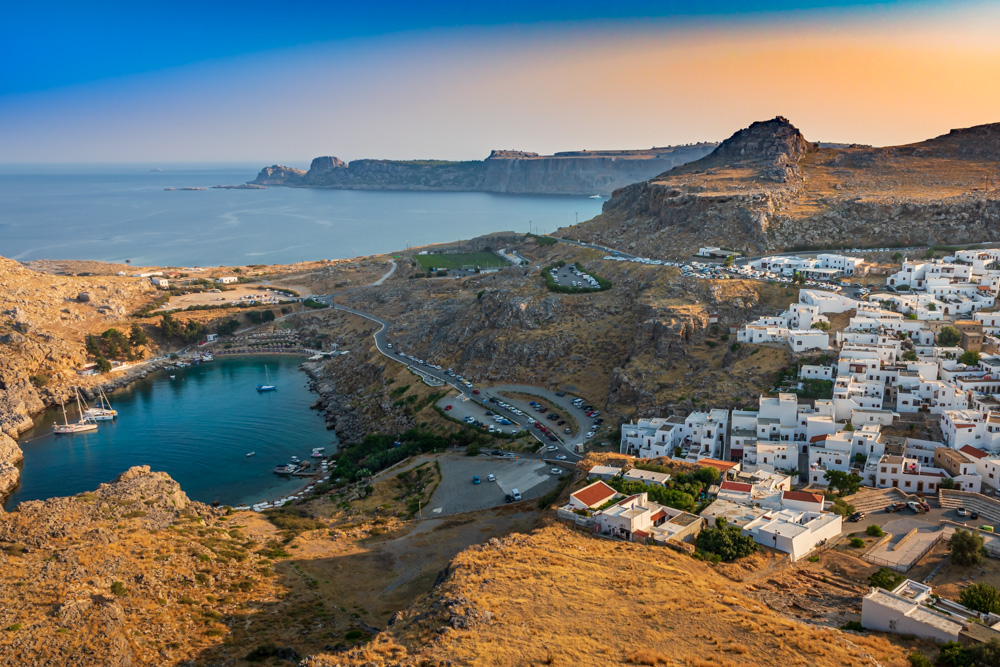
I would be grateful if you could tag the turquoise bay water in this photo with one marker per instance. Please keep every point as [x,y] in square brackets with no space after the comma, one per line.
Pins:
[197,427]
[117,213]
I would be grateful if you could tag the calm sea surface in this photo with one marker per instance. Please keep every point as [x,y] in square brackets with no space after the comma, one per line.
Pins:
[114,214]
[197,427]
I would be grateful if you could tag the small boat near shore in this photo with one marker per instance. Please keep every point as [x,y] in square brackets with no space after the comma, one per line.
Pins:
[81,426]
[261,388]
[317,452]
[251,453]
[286,469]
[103,410]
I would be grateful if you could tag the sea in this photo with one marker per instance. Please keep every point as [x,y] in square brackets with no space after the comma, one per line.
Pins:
[127,213]
[198,427]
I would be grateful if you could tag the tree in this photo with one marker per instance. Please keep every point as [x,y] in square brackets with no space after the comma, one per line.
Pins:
[137,336]
[707,475]
[932,306]
[103,365]
[954,654]
[875,530]
[970,358]
[822,326]
[947,482]
[981,597]
[93,347]
[930,253]
[846,483]
[728,543]
[910,355]
[966,548]
[886,578]
[729,261]
[948,336]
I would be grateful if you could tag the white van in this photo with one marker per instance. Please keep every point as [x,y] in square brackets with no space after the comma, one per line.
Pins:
[516,494]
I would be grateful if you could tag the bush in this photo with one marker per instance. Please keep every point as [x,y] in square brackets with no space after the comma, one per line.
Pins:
[854,626]
[885,578]
[841,507]
[857,542]
[918,659]
[728,543]
[39,380]
[966,548]
[875,530]
[118,588]
[949,336]
[981,597]
[970,358]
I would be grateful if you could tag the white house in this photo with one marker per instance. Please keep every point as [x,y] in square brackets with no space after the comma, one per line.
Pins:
[794,532]
[905,610]
[225,280]
[591,496]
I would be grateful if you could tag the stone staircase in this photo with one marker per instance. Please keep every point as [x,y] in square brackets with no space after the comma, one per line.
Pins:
[988,508]
[872,500]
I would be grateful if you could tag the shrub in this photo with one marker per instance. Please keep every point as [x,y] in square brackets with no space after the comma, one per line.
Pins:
[354,635]
[918,659]
[39,380]
[966,548]
[875,530]
[981,597]
[885,578]
[857,542]
[842,507]
[118,588]
[727,543]
[854,626]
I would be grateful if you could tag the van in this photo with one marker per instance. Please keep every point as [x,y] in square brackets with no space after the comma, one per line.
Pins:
[515,494]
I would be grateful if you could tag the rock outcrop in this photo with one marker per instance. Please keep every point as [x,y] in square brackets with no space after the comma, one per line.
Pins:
[579,172]
[766,188]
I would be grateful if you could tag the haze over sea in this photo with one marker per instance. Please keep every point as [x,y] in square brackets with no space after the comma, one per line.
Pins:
[111,213]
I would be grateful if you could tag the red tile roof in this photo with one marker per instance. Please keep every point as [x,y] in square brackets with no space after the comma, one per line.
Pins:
[973,452]
[736,486]
[640,533]
[595,494]
[804,496]
[965,426]
[817,438]
[659,515]
[724,466]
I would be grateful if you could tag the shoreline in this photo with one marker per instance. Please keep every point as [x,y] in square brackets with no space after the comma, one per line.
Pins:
[12,456]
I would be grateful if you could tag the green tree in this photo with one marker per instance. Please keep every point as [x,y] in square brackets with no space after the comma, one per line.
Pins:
[981,597]
[954,654]
[966,548]
[846,483]
[970,358]
[930,253]
[103,365]
[822,326]
[886,578]
[932,306]
[910,355]
[137,336]
[707,475]
[93,347]
[729,261]
[874,530]
[948,336]
[918,659]
[728,543]
[946,483]
[227,327]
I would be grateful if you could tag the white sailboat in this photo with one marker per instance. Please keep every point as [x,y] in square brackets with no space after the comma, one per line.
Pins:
[268,386]
[78,427]
[103,411]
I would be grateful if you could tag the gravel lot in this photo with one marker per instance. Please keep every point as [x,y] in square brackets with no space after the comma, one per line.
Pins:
[457,493]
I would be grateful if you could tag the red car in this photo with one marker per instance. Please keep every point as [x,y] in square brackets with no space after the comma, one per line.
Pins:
[475,391]
[537,425]
[447,407]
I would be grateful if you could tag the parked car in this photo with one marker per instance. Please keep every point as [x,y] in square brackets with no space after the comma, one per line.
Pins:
[857,516]
[475,391]
[973,514]
[509,498]
[962,511]
[560,393]
[475,479]
[447,407]
[916,507]
[567,431]
[556,471]
[491,478]
[895,507]
[561,457]
[553,448]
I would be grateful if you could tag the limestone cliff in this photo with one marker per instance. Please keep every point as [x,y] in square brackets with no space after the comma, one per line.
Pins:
[766,188]
[579,172]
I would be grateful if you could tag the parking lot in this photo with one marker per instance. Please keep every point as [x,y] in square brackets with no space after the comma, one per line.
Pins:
[461,409]
[566,276]
[457,493]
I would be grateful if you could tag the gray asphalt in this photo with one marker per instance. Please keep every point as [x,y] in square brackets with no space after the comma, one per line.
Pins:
[457,493]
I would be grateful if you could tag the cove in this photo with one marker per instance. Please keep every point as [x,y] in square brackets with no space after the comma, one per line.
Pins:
[197,428]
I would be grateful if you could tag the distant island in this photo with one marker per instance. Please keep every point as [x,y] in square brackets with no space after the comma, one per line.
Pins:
[576,172]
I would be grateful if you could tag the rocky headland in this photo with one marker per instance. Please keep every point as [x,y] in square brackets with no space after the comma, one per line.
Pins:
[767,188]
[576,172]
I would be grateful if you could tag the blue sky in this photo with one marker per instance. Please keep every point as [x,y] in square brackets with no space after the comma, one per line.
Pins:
[271,82]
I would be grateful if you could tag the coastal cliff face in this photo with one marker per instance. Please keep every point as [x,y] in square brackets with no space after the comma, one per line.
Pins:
[766,188]
[582,172]
[43,318]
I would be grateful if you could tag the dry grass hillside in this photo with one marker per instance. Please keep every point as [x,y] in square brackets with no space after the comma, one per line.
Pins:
[558,597]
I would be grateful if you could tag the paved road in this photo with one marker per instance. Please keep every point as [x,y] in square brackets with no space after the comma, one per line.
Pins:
[456,493]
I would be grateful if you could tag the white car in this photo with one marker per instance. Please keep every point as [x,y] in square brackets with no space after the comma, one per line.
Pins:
[590,434]
[561,457]
[556,471]
[491,478]
[553,448]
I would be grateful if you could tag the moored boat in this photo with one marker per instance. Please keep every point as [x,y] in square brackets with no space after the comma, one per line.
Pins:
[266,387]
[81,426]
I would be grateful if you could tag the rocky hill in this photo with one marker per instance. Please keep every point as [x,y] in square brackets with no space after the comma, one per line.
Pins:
[767,188]
[578,172]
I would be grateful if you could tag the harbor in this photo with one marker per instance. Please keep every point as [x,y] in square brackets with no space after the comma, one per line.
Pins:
[196,421]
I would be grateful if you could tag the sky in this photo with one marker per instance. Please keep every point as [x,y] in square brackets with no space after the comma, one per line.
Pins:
[282,83]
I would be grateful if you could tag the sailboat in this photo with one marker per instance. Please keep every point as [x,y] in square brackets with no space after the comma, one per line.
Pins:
[103,411]
[78,427]
[266,387]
